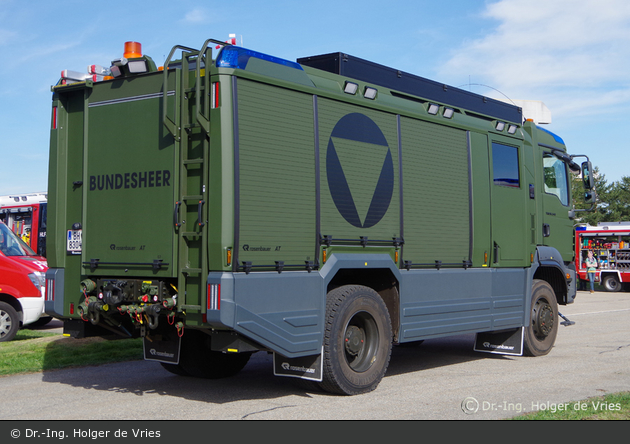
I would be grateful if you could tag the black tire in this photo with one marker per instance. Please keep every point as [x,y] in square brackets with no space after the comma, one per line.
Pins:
[357,340]
[540,334]
[43,320]
[175,369]
[611,283]
[9,322]
[198,360]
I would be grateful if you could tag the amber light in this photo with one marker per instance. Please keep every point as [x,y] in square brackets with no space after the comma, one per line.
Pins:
[133,50]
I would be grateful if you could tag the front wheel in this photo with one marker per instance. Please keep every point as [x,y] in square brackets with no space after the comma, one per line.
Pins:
[357,340]
[9,322]
[540,334]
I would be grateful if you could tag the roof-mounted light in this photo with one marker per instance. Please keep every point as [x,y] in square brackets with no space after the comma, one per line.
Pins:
[370,93]
[122,61]
[512,129]
[116,71]
[433,108]
[133,50]
[237,57]
[448,112]
[132,62]
[350,88]
[500,126]
[137,66]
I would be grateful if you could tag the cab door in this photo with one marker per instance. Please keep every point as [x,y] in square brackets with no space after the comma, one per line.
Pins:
[556,202]
[508,202]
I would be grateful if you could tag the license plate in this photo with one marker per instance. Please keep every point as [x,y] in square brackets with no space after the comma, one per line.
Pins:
[73,242]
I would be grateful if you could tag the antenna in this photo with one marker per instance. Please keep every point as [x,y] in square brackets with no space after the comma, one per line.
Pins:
[486,86]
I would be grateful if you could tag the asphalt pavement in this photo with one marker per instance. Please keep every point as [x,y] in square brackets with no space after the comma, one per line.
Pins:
[441,379]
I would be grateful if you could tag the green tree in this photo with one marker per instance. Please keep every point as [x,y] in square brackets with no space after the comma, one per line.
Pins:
[619,201]
[601,210]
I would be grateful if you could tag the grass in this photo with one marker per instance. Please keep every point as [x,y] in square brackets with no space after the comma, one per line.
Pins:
[614,406]
[34,351]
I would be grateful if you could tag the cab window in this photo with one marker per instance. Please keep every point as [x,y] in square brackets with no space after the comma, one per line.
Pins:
[556,178]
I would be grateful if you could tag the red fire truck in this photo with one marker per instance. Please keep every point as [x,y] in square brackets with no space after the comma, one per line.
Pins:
[25,215]
[610,243]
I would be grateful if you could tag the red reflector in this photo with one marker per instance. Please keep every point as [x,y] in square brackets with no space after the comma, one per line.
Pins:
[54,118]
[214,296]
[215,95]
[71,309]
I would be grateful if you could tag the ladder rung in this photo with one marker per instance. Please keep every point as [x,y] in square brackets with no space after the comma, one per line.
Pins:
[192,161]
[190,234]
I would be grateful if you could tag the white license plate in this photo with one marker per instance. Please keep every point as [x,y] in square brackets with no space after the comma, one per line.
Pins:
[73,241]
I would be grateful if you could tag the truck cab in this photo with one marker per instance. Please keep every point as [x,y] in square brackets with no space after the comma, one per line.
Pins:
[22,278]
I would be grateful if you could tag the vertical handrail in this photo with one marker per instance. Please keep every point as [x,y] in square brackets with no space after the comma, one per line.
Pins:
[205,55]
[168,122]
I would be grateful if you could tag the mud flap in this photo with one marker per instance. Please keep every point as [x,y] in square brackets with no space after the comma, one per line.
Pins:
[306,367]
[162,350]
[505,342]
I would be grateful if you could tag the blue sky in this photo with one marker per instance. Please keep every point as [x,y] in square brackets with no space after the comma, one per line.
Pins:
[573,55]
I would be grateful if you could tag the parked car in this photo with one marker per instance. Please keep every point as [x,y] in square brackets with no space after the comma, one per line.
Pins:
[22,284]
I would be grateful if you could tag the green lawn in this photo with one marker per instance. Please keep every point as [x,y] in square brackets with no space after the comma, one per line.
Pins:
[35,351]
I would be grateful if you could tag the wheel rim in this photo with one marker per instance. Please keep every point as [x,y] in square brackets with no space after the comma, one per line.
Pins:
[543,319]
[360,341]
[611,284]
[5,323]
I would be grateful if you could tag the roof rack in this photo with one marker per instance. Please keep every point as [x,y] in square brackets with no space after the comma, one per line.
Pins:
[366,71]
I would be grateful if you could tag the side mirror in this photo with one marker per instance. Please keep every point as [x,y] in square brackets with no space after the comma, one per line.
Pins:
[587,177]
[590,196]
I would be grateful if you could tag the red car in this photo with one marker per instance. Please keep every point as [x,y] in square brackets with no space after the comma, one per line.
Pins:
[22,283]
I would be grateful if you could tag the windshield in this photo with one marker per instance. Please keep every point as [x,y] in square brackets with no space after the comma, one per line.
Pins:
[12,245]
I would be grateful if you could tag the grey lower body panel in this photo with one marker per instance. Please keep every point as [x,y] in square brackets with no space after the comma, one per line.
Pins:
[285,312]
[281,311]
[444,302]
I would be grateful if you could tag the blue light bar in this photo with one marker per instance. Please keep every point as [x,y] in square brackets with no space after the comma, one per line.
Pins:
[555,136]
[237,57]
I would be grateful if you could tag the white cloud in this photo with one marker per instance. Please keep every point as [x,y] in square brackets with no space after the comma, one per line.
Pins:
[564,50]
[197,15]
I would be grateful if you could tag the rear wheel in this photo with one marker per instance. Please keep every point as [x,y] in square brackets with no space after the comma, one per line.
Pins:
[540,334]
[611,283]
[9,322]
[357,340]
[199,360]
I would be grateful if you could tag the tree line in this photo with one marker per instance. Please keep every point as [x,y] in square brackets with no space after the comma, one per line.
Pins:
[613,200]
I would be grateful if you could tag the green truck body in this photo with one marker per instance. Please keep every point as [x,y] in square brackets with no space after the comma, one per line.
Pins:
[321,210]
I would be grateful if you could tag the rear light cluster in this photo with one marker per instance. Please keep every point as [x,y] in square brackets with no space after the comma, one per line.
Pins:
[214,296]
[50,290]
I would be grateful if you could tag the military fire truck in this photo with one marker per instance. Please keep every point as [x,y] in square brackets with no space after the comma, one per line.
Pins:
[610,244]
[321,210]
